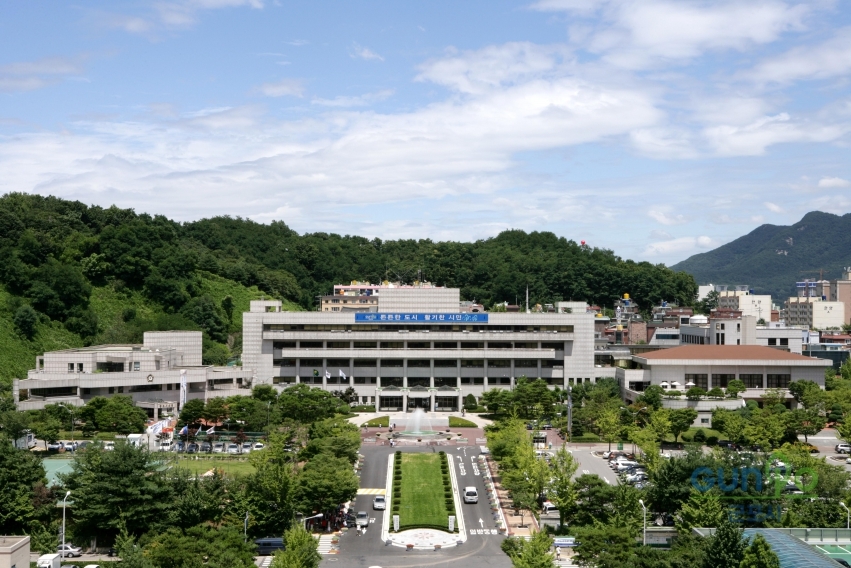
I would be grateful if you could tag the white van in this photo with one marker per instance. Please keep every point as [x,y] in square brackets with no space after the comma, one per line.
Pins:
[49,561]
[471,495]
[166,446]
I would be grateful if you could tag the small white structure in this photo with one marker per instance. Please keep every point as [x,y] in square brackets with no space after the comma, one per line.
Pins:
[15,552]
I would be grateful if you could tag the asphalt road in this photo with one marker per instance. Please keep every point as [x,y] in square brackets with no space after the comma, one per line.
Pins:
[480,550]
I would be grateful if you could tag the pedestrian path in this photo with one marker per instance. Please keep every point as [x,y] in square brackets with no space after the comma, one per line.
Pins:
[325,544]
[371,491]
[266,562]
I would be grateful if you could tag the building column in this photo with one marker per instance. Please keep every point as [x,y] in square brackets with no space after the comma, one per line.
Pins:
[405,372]
[431,398]
[404,402]
[512,383]
[460,399]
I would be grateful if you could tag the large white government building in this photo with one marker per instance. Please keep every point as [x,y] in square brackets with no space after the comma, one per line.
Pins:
[415,348]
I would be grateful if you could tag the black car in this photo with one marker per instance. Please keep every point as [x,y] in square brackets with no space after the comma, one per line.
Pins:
[192,449]
[351,520]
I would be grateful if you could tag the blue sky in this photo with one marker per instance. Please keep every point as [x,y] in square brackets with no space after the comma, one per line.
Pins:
[656,128]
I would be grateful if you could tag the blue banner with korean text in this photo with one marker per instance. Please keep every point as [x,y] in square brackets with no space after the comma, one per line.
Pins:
[375,317]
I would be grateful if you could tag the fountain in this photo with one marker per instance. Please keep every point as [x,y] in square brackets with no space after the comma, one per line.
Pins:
[414,425]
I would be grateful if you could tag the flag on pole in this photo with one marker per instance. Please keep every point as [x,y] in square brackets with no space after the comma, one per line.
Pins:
[211,430]
[182,401]
[342,374]
[327,374]
[185,430]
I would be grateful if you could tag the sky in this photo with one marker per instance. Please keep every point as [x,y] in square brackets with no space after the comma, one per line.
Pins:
[655,128]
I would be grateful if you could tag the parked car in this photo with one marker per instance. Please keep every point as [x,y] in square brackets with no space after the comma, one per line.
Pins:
[635,478]
[267,546]
[233,448]
[109,446]
[181,447]
[71,446]
[69,566]
[259,446]
[69,550]
[206,447]
[623,466]
[379,503]
[246,447]
[166,446]
[92,566]
[843,448]
[351,520]
[55,446]
[219,448]
[362,519]
[192,449]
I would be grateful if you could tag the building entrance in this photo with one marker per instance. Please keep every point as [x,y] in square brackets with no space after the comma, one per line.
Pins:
[419,402]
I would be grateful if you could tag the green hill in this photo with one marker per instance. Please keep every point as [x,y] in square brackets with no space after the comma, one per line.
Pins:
[771,258]
[73,275]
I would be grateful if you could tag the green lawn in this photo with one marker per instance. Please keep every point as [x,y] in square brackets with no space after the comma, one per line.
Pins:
[380,422]
[229,467]
[422,501]
[455,422]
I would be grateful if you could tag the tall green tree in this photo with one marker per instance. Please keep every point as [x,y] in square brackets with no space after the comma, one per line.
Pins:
[725,548]
[21,482]
[324,483]
[681,421]
[126,484]
[300,550]
[560,489]
[533,553]
[760,555]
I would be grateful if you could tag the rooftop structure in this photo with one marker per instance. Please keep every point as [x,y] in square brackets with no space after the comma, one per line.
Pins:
[742,331]
[14,551]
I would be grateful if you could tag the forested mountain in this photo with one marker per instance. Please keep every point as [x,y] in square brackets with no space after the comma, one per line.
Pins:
[73,274]
[771,258]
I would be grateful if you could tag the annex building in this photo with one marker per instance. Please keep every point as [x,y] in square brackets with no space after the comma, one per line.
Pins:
[159,375]
[416,348]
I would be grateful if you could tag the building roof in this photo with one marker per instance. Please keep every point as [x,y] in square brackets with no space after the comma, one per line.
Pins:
[724,352]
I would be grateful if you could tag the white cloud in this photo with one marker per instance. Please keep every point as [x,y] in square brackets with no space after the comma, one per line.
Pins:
[663,217]
[658,235]
[168,15]
[639,33]
[753,139]
[359,51]
[833,182]
[773,207]
[283,88]
[31,75]
[356,101]
[679,246]
[831,58]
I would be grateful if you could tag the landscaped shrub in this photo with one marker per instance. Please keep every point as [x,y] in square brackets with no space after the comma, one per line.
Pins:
[712,441]
[699,436]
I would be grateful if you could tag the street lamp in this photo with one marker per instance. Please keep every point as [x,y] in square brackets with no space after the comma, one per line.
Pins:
[644,539]
[319,516]
[847,515]
[62,550]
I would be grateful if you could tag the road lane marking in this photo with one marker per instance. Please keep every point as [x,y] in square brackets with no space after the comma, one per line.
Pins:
[373,491]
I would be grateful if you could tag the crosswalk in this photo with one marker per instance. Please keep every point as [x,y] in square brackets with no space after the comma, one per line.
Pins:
[371,491]
[265,562]
[325,546]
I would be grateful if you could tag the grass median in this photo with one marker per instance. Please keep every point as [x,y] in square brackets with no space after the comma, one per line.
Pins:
[227,467]
[422,500]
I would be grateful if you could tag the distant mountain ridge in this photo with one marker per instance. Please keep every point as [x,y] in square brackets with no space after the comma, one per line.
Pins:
[771,258]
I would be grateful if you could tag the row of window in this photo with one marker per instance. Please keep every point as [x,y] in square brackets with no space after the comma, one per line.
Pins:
[558,346]
[419,328]
[399,382]
[420,363]
[752,381]
[110,367]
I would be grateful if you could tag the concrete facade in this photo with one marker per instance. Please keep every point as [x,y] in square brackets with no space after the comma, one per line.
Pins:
[398,365]
[150,374]
[749,304]
[14,552]
[743,331]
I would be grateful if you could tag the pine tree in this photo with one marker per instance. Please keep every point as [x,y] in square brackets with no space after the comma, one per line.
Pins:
[726,548]
[760,555]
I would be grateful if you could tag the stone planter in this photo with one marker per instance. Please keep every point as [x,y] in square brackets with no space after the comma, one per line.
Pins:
[409,546]
[437,547]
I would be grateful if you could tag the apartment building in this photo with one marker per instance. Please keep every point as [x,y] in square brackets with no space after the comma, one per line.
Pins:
[417,350]
[815,313]
[742,298]
[840,291]
[160,375]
